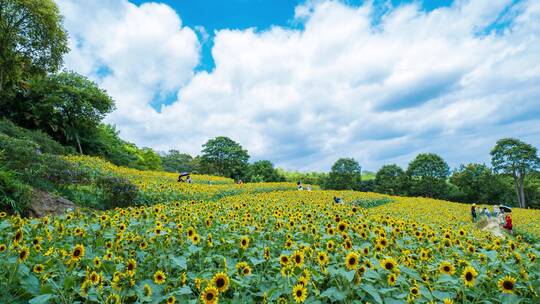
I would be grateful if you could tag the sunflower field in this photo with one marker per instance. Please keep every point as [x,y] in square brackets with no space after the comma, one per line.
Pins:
[262,243]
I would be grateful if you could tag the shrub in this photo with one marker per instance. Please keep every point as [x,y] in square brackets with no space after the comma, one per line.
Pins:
[15,196]
[117,191]
[43,141]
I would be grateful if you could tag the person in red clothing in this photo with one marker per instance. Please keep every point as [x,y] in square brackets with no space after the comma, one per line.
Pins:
[508,224]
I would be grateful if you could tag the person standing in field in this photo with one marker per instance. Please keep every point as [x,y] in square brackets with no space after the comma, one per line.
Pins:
[508,225]
[473,212]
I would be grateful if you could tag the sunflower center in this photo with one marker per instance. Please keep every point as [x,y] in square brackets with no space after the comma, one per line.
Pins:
[77,252]
[209,296]
[508,285]
[352,261]
[220,282]
[468,276]
[299,293]
[446,268]
[388,266]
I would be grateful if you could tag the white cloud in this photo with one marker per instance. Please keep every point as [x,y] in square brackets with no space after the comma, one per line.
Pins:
[340,86]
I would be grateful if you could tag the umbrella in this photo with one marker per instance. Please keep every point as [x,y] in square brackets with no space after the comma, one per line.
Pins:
[184,174]
[505,209]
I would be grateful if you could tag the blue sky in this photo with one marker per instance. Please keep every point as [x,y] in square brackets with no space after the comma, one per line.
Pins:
[260,14]
[302,83]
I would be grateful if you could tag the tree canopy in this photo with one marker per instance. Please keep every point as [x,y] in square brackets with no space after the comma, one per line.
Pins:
[390,179]
[428,173]
[223,156]
[346,174]
[66,105]
[516,158]
[174,161]
[263,171]
[32,40]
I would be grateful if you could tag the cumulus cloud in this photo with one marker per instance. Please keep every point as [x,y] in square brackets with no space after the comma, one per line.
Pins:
[450,81]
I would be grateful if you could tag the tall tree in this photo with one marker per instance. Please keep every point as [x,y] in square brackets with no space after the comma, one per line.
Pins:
[67,105]
[516,158]
[390,179]
[174,161]
[225,157]
[263,171]
[428,173]
[346,174]
[32,40]
[477,183]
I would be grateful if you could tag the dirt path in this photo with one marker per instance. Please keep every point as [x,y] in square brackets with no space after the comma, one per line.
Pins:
[494,228]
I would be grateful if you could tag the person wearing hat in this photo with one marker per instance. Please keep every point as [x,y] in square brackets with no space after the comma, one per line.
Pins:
[473,212]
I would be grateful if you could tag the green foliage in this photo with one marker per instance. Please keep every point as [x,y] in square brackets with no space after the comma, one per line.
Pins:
[44,142]
[117,191]
[174,161]
[477,184]
[67,106]
[15,196]
[346,174]
[428,173]
[224,157]
[263,171]
[32,41]
[517,159]
[308,178]
[147,159]
[391,179]
[106,142]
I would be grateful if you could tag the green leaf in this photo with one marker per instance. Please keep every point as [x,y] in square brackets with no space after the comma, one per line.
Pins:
[333,294]
[31,284]
[180,262]
[509,299]
[373,293]
[184,291]
[349,275]
[443,295]
[42,299]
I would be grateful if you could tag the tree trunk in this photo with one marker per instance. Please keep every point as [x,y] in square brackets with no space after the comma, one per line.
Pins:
[516,186]
[78,143]
[522,191]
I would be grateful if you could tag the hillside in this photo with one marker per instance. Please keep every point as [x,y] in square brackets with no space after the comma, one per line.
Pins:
[229,243]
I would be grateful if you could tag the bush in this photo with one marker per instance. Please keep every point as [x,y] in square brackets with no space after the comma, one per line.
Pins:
[43,141]
[117,191]
[15,196]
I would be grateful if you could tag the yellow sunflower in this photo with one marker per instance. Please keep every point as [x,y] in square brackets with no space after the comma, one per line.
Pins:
[159,277]
[351,260]
[507,284]
[77,253]
[468,276]
[244,242]
[389,264]
[23,254]
[210,295]
[298,258]
[447,268]
[299,293]
[221,281]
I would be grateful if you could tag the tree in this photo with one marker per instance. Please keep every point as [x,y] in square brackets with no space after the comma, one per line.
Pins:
[427,174]
[106,142]
[174,161]
[477,184]
[263,171]
[225,157]
[346,174]
[390,179]
[67,106]
[32,40]
[516,158]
